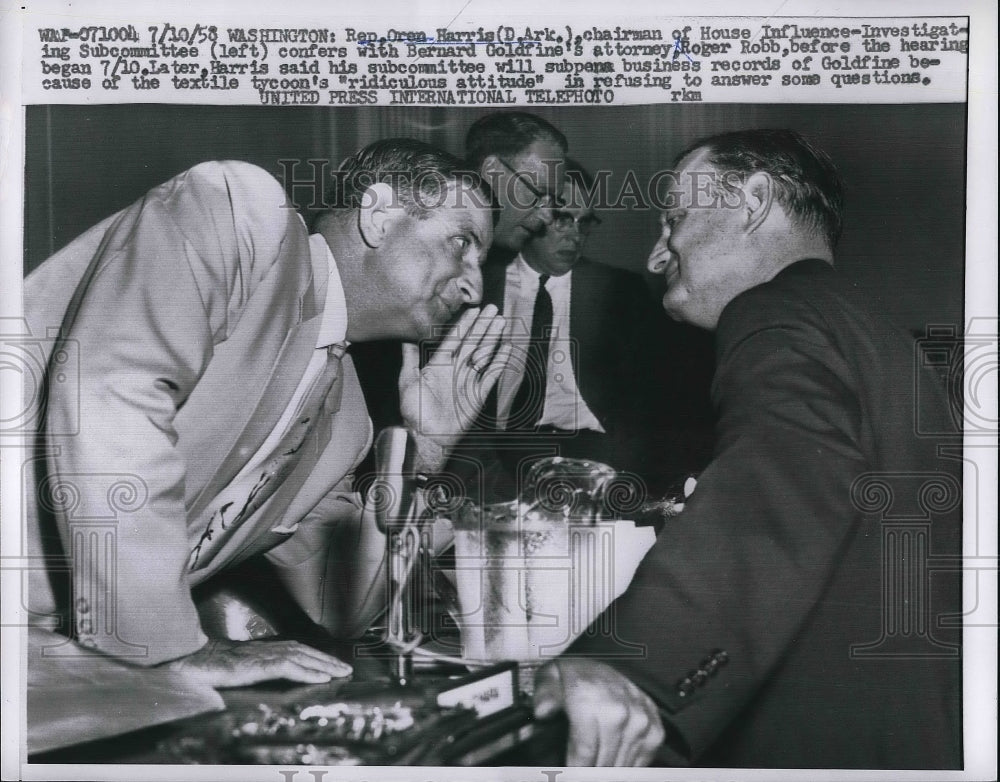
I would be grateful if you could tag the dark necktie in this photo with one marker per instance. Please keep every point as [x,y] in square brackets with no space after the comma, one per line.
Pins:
[529,401]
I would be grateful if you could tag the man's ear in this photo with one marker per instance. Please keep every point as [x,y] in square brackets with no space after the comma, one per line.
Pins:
[490,167]
[758,198]
[378,206]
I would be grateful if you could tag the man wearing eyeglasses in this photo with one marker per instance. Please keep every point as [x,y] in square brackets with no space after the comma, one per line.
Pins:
[579,383]
[522,157]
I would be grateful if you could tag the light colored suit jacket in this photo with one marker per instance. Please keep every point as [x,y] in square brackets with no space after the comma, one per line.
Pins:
[188,320]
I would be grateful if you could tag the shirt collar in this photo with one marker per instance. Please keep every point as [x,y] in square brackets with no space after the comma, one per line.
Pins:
[528,277]
[333,328]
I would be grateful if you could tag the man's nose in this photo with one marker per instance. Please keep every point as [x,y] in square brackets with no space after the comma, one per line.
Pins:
[545,213]
[661,250]
[659,257]
[470,284]
[656,263]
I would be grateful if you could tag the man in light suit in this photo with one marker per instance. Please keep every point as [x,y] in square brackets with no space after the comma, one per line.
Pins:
[772,633]
[522,157]
[216,410]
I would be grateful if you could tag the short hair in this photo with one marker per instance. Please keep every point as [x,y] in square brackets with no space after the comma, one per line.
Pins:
[507,133]
[419,174]
[806,181]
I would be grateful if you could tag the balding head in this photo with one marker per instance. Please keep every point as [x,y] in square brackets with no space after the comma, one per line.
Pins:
[745,206]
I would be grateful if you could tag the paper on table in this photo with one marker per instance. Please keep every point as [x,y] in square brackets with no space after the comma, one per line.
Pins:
[73,698]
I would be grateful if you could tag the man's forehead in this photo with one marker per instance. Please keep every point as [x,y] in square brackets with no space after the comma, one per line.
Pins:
[463,208]
[693,179]
[462,194]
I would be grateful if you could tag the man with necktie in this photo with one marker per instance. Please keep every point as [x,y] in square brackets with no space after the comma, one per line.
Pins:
[787,619]
[589,343]
[215,388]
[522,157]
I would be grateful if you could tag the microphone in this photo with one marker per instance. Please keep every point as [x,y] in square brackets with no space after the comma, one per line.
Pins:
[395,478]
[394,498]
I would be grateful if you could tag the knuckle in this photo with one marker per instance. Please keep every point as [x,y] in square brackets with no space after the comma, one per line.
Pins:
[616,714]
[640,722]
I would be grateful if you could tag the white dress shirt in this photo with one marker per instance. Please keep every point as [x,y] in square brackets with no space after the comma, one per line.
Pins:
[564,407]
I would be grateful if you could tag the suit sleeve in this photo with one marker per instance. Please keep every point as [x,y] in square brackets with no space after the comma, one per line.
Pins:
[329,559]
[165,287]
[729,582]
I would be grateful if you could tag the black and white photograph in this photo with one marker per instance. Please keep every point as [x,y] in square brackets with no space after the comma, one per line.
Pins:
[503,437]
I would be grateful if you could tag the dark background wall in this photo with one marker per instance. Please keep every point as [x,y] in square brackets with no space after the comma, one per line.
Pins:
[904,167]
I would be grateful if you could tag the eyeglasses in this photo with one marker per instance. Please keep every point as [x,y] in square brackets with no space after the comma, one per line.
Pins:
[564,221]
[541,198]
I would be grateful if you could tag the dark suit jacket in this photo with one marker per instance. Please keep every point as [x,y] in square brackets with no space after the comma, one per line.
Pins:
[621,346]
[789,615]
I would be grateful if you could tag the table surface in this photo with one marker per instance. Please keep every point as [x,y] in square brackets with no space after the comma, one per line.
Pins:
[507,738]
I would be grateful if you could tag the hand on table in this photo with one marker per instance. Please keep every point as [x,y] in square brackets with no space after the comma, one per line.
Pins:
[440,402]
[611,721]
[222,663]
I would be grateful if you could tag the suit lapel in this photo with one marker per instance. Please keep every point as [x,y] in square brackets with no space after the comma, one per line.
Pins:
[341,442]
[328,454]
[588,314]
[579,322]
[253,404]
[494,279]
[494,285]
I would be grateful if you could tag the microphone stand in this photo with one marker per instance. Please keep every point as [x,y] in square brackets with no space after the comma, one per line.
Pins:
[397,515]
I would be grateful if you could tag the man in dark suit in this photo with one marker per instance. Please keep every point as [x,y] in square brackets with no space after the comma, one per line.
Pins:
[788,615]
[522,157]
[588,343]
